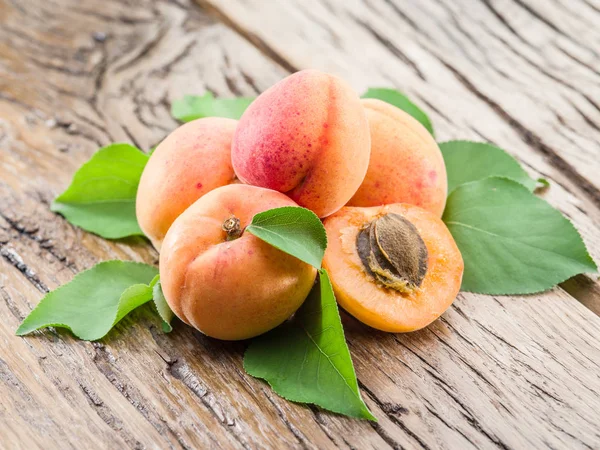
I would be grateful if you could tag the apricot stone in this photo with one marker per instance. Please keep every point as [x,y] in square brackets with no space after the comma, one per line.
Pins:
[193,160]
[394,267]
[308,137]
[406,163]
[226,283]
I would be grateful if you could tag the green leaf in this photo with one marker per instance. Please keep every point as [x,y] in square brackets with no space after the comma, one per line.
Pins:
[192,107]
[399,100]
[101,197]
[162,306]
[512,242]
[470,161]
[294,230]
[307,360]
[94,300]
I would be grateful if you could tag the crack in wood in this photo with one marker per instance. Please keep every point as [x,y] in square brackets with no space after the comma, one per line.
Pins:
[44,244]
[395,418]
[391,47]
[302,440]
[450,391]
[15,260]
[544,20]
[431,409]
[104,362]
[319,418]
[530,138]
[256,41]
[108,417]
[180,370]
[164,70]
[144,51]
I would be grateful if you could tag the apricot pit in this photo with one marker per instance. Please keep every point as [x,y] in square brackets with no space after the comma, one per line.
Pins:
[393,253]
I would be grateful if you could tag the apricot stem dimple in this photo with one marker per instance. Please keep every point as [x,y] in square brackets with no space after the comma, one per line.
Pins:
[393,253]
[232,227]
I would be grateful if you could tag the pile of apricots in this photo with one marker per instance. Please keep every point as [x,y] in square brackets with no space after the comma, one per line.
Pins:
[371,172]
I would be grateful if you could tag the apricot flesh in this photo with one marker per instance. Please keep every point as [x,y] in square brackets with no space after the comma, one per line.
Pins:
[191,161]
[230,287]
[406,163]
[386,309]
[308,137]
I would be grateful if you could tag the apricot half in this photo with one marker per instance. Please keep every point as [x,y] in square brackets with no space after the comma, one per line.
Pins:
[191,161]
[226,283]
[394,267]
[308,137]
[406,163]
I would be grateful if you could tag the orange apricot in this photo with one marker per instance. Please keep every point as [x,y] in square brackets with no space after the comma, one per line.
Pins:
[226,283]
[308,137]
[406,163]
[191,161]
[394,267]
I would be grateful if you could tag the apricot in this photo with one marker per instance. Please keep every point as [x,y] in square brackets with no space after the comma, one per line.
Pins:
[406,163]
[191,161]
[308,137]
[394,267]
[227,283]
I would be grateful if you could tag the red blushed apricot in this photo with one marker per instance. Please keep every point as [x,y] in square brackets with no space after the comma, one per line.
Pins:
[406,163]
[230,284]
[394,267]
[308,137]
[193,160]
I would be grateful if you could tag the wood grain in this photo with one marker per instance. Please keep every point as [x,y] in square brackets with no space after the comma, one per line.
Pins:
[493,372]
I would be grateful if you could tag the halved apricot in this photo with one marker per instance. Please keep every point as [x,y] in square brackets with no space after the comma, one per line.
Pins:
[394,267]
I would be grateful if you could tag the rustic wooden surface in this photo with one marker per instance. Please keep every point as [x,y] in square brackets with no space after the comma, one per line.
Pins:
[494,372]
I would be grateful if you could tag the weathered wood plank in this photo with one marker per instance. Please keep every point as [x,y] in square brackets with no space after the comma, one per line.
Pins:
[494,372]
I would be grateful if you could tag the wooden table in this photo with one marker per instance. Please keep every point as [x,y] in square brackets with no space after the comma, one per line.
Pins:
[493,372]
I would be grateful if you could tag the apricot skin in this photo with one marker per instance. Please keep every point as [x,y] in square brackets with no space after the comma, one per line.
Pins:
[406,163]
[193,160]
[308,137]
[382,308]
[233,289]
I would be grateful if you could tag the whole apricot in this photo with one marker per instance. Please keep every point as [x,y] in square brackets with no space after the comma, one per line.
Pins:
[406,163]
[226,283]
[191,161]
[394,267]
[308,137]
